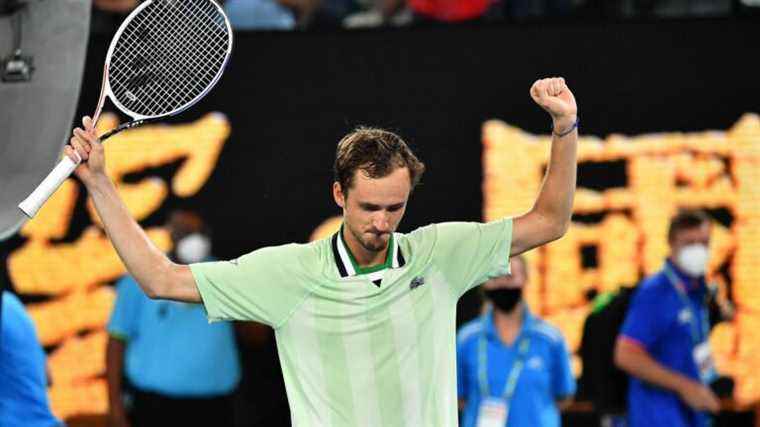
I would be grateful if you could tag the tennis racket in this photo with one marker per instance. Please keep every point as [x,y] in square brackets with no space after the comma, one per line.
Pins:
[165,57]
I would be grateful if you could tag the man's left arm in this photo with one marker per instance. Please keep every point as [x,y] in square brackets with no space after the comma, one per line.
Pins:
[549,218]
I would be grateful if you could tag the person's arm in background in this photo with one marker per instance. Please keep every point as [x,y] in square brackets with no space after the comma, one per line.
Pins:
[158,276]
[636,361]
[549,218]
[646,320]
[565,403]
[117,415]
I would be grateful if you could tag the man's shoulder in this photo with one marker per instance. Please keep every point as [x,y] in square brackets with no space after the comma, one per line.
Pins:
[469,331]
[543,330]
[11,302]
[418,244]
[430,233]
[423,233]
[654,286]
[291,254]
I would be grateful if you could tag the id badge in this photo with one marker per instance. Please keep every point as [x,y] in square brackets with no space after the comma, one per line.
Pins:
[492,413]
[705,362]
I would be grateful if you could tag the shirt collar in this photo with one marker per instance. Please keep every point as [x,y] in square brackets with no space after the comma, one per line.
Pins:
[689,282]
[527,322]
[344,259]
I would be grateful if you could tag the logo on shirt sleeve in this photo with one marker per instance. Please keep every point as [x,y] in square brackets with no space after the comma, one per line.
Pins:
[684,316]
[417,282]
[535,362]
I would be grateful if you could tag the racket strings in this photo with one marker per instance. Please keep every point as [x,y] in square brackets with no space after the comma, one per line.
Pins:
[168,55]
[182,88]
[183,33]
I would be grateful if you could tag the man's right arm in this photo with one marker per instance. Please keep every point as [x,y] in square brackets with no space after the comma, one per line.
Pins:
[154,272]
[636,361]
[158,276]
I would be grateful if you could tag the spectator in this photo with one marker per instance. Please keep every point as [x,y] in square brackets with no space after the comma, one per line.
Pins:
[107,15]
[512,368]
[449,11]
[663,344]
[23,375]
[378,13]
[177,366]
[603,383]
[260,14]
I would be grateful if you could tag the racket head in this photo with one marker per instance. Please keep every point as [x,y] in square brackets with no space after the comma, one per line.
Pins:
[166,56]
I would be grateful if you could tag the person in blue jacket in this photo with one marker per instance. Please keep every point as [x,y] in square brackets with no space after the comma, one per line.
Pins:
[176,365]
[512,367]
[23,372]
[663,344]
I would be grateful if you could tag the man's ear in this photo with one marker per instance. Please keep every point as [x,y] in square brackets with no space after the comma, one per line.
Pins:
[340,198]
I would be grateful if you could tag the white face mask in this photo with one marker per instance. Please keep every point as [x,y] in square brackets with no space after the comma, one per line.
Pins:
[692,259]
[193,248]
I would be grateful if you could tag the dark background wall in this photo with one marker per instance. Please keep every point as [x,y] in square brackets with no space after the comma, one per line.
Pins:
[291,96]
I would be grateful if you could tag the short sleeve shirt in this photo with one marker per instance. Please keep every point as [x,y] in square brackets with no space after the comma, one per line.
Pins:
[545,378]
[353,353]
[23,378]
[658,321]
[204,358]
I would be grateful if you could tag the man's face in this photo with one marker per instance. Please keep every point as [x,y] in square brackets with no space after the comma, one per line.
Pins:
[515,280]
[373,208]
[690,236]
[178,228]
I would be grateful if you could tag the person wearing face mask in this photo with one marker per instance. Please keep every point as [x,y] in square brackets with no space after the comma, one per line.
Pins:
[663,343]
[513,369]
[176,365]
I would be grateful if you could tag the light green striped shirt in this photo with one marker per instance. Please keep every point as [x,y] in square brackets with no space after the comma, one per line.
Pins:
[353,353]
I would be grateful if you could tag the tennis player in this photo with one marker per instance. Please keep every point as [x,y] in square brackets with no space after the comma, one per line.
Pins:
[364,320]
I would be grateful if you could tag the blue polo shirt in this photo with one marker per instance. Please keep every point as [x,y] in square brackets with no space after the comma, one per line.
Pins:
[171,349]
[23,376]
[659,322]
[545,378]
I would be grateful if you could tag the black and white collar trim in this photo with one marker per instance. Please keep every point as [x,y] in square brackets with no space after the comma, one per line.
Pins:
[346,267]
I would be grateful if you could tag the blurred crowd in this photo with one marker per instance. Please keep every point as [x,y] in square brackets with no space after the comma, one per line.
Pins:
[284,15]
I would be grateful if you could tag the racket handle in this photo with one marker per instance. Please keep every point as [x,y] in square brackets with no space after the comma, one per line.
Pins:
[47,187]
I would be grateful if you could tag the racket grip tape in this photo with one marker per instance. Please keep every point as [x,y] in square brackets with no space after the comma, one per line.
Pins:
[47,187]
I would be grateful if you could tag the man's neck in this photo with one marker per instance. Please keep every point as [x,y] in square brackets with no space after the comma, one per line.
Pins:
[363,257]
[690,282]
[508,324]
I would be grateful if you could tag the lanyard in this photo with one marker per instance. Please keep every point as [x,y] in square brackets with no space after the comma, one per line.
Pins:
[514,373]
[696,322]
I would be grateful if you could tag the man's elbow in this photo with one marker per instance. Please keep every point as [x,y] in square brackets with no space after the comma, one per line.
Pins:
[557,229]
[618,359]
[158,285]
[152,291]
[622,356]
[560,229]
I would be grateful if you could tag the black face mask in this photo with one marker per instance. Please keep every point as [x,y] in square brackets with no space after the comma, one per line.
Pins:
[505,299]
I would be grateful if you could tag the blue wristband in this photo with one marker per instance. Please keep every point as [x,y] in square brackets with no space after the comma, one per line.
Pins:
[567,132]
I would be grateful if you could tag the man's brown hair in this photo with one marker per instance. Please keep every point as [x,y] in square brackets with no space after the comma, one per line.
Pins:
[685,220]
[375,152]
[183,222]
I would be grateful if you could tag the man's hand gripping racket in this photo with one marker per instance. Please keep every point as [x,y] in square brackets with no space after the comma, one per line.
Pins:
[165,57]
[86,152]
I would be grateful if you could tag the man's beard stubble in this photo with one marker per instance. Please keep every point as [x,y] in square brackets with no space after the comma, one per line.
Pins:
[368,245]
